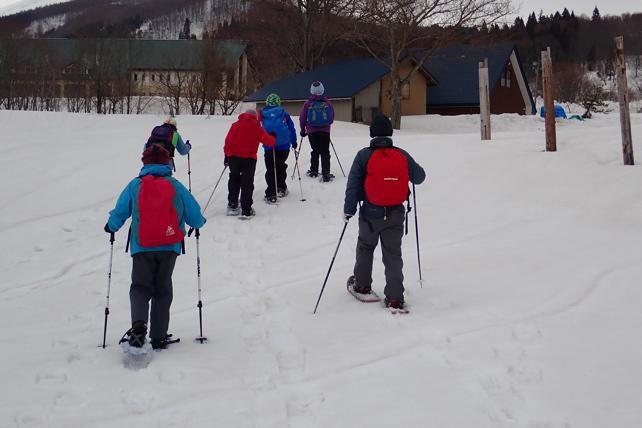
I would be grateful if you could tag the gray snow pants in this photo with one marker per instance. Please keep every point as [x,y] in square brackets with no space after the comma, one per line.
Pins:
[152,280]
[390,232]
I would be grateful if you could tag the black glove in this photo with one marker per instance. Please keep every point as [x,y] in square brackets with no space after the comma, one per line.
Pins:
[303,133]
[107,228]
[294,145]
[189,144]
[226,161]
[346,217]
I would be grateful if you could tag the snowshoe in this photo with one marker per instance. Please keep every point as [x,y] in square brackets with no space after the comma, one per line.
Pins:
[326,178]
[158,344]
[248,215]
[363,294]
[270,199]
[136,335]
[312,174]
[233,211]
[395,306]
[282,193]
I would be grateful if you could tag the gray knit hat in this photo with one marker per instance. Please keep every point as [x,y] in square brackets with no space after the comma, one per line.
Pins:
[317,88]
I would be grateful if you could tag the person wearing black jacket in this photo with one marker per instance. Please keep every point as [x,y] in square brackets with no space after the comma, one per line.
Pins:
[378,222]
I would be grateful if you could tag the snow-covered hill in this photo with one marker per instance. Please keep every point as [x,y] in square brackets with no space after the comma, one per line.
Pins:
[15,6]
[529,316]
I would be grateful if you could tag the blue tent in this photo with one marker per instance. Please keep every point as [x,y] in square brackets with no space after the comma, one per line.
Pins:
[559,112]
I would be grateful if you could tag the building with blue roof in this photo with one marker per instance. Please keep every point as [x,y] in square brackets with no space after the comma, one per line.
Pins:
[447,84]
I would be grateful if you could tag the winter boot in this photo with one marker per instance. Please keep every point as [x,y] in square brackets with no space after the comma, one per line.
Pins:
[358,289]
[250,213]
[312,174]
[137,334]
[282,193]
[327,178]
[233,211]
[270,199]
[396,304]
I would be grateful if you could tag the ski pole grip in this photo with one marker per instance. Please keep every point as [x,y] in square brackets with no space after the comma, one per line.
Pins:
[112,237]
[198,233]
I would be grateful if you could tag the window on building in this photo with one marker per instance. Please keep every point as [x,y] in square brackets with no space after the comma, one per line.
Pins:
[405,91]
[506,78]
[135,77]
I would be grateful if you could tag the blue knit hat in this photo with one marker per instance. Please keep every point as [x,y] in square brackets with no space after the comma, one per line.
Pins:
[317,88]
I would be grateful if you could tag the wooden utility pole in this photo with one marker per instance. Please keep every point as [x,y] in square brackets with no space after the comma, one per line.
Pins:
[549,96]
[484,100]
[623,95]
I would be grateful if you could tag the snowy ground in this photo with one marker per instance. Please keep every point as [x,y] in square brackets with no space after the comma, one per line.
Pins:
[529,315]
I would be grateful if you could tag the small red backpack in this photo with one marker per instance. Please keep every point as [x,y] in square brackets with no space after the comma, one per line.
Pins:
[387,178]
[158,219]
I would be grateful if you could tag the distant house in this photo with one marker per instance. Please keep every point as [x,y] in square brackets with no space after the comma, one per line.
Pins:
[358,88]
[456,70]
[74,67]
[447,84]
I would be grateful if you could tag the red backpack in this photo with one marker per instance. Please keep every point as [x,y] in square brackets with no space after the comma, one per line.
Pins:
[387,178]
[158,219]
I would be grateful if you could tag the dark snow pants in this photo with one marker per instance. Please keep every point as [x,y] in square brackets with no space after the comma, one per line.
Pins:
[281,171]
[320,145]
[241,181]
[152,280]
[390,232]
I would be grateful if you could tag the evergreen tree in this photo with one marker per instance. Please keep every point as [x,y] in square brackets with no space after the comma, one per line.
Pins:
[566,15]
[596,15]
[186,32]
[531,25]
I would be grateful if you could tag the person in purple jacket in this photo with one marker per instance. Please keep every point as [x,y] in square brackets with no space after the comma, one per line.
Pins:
[315,119]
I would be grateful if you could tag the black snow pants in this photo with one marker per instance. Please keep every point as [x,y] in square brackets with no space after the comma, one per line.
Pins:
[241,182]
[152,280]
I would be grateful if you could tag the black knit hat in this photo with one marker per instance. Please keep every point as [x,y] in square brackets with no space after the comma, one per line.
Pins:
[380,127]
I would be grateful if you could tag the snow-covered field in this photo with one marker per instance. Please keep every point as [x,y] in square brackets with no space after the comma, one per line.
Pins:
[529,315]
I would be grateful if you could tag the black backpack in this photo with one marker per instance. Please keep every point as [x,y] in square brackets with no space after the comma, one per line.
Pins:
[164,136]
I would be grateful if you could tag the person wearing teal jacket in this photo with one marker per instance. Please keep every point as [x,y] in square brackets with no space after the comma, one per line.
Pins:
[153,265]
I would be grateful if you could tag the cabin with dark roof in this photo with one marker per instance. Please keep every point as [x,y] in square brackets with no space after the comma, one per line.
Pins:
[357,88]
[456,70]
[447,84]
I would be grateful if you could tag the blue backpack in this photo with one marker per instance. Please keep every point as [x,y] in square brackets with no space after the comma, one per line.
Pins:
[319,114]
[274,123]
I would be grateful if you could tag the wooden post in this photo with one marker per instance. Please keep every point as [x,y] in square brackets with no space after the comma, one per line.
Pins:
[484,100]
[549,103]
[623,95]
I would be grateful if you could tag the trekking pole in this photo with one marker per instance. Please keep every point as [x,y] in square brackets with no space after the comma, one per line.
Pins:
[215,186]
[330,268]
[111,258]
[298,154]
[189,171]
[338,160]
[200,338]
[414,201]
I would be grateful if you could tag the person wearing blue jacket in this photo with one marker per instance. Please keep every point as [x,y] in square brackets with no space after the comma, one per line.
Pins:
[277,122]
[159,206]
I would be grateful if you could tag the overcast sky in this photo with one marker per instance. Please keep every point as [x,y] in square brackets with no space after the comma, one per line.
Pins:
[610,7]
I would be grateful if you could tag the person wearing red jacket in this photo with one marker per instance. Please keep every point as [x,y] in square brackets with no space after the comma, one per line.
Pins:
[241,144]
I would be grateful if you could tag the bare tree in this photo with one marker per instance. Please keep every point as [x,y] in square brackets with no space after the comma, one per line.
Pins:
[390,29]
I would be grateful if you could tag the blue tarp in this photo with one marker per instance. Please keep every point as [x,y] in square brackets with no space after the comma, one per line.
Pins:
[559,112]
